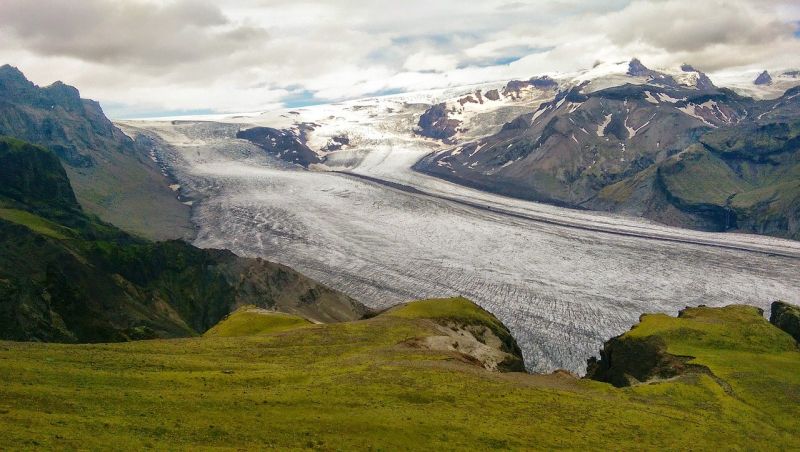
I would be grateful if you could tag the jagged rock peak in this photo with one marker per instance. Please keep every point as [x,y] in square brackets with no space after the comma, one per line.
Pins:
[703,82]
[543,82]
[763,79]
[637,69]
[12,78]
[9,71]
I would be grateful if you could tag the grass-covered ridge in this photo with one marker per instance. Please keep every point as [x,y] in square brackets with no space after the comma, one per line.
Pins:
[358,384]
[251,321]
[35,223]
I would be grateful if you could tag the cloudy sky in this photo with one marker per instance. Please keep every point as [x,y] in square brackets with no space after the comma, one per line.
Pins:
[158,57]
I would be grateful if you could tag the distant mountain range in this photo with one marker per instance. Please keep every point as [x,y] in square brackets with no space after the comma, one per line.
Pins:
[668,145]
[685,154]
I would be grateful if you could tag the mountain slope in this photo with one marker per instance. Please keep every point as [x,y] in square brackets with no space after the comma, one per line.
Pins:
[367,384]
[113,177]
[66,276]
[634,149]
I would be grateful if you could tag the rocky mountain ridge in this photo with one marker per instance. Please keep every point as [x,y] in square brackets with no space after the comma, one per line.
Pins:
[601,149]
[113,176]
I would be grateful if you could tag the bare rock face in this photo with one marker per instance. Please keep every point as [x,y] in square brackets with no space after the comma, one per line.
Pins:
[283,144]
[703,82]
[513,89]
[435,123]
[786,317]
[492,95]
[544,82]
[763,79]
[477,344]
[637,69]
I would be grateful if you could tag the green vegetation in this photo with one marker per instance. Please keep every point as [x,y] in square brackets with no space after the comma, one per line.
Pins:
[696,176]
[66,276]
[252,321]
[457,309]
[35,223]
[744,179]
[359,385]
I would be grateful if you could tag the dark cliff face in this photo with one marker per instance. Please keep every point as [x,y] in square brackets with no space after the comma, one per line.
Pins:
[703,82]
[55,116]
[659,346]
[763,79]
[66,276]
[435,123]
[786,317]
[626,361]
[282,144]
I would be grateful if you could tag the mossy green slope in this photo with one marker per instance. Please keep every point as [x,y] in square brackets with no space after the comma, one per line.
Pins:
[357,385]
[744,178]
[251,321]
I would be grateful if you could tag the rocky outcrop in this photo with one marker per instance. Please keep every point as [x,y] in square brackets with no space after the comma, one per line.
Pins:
[336,143]
[476,343]
[786,317]
[702,82]
[763,79]
[435,123]
[492,94]
[465,329]
[283,144]
[637,69]
[626,361]
[513,89]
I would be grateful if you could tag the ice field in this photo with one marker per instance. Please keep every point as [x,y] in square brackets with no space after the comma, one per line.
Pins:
[563,281]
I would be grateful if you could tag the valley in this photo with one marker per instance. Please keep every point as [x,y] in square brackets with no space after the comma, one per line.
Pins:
[562,280]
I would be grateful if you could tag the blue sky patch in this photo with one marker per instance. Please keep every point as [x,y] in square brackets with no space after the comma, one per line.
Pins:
[302,98]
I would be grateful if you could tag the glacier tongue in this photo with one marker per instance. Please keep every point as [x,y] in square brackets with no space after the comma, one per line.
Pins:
[562,280]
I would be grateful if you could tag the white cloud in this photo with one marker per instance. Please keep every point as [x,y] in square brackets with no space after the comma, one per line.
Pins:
[166,55]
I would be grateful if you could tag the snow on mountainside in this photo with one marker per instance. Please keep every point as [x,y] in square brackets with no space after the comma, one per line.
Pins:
[467,113]
[559,138]
[773,87]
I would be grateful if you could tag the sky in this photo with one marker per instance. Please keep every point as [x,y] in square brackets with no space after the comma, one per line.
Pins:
[143,58]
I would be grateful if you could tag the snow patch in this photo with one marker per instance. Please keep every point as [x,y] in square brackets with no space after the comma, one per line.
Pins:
[602,127]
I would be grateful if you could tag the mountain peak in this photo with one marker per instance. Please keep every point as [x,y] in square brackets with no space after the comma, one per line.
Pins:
[763,79]
[9,71]
[12,79]
[702,81]
[637,69]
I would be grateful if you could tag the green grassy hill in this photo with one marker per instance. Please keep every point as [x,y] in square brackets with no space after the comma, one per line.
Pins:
[252,321]
[368,384]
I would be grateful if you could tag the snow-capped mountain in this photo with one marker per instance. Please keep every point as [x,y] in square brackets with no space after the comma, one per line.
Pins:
[572,139]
